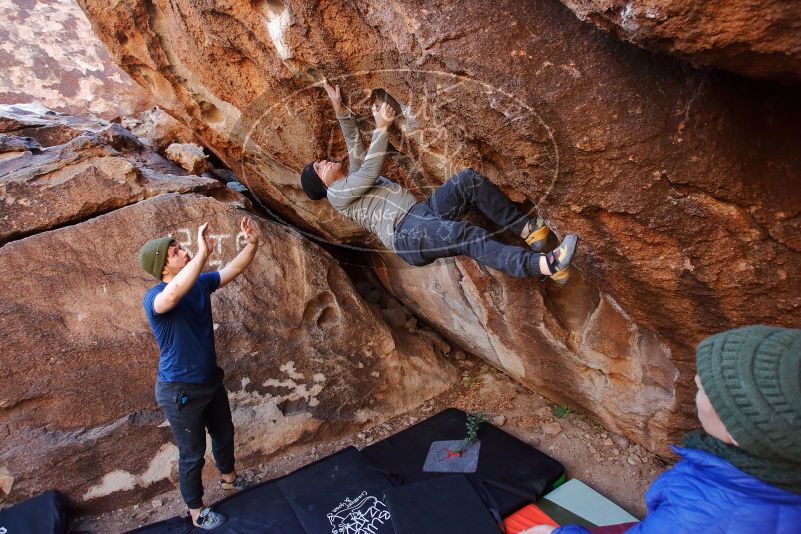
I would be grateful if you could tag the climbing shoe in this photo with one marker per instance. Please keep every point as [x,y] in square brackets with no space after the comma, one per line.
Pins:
[209,519]
[536,239]
[239,483]
[559,259]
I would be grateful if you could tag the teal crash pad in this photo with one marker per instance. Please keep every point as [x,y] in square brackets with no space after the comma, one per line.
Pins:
[583,501]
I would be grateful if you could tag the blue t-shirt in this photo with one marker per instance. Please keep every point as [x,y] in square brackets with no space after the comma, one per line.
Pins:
[185,334]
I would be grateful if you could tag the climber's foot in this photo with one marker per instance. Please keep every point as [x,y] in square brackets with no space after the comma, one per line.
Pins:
[538,236]
[559,259]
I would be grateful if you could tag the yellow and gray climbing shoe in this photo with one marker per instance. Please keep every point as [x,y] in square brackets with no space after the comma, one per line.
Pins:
[559,259]
[536,239]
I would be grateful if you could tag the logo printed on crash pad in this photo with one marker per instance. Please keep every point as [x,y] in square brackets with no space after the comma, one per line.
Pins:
[363,515]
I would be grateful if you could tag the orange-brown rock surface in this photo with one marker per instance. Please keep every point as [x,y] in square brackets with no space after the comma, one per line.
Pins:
[683,185]
[757,39]
[57,169]
[304,354]
[49,56]
[574,345]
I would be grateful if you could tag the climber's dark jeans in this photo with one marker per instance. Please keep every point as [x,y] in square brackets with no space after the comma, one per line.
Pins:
[433,229]
[206,407]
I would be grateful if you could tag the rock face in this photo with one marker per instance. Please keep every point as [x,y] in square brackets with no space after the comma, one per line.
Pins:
[189,156]
[755,39]
[683,185]
[573,344]
[57,169]
[49,55]
[158,129]
[304,355]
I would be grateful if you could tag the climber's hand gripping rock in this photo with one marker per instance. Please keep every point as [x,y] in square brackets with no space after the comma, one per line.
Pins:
[383,115]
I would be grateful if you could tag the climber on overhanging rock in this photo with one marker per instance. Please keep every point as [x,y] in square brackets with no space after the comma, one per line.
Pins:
[189,385]
[422,232]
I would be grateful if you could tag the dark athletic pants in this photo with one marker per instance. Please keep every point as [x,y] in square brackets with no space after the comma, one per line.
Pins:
[433,229]
[206,407]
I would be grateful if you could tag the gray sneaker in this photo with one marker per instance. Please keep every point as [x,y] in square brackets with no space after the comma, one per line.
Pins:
[209,519]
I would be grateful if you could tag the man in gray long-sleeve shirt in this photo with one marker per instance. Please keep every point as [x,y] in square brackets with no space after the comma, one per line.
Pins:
[421,232]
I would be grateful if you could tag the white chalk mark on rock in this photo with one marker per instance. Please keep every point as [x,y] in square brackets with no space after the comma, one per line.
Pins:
[278,20]
[160,467]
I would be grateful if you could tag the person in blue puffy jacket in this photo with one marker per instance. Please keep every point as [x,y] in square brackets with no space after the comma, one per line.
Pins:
[742,473]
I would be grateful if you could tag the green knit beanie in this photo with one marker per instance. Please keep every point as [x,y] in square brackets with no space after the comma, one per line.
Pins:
[752,376]
[153,255]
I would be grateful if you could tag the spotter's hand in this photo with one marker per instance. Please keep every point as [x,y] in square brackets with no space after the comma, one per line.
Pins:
[250,230]
[204,242]
[539,529]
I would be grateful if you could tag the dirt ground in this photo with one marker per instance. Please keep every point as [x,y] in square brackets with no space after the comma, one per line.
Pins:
[611,464]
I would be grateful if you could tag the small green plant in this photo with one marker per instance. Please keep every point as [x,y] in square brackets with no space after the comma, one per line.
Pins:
[592,422]
[561,411]
[474,420]
[472,381]
[489,370]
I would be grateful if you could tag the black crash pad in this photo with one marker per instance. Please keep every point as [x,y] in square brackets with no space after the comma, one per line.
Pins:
[335,494]
[448,504]
[261,509]
[342,493]
[43,514]
[510,471]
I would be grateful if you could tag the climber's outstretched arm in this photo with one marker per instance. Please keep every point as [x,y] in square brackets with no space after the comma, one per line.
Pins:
[356,149]
[342,193]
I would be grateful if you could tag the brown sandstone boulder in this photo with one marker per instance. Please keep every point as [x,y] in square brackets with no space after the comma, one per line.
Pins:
[49,55]
[756,39]
[572,344]
[188,156]
[682,184]
[302,352]
[57,169]
[158,129]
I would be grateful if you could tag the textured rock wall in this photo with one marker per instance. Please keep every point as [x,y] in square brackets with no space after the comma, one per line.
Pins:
[757,39]
[305,357]
[49,56]
[682,184]
[59,169]
[573,344]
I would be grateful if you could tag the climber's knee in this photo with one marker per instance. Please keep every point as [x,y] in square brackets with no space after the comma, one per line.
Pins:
[469,176]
